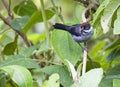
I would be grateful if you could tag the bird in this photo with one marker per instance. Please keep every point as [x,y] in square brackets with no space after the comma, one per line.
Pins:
[80,32]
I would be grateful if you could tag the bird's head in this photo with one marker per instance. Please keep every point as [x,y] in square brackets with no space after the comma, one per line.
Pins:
[86,32]
[86,27]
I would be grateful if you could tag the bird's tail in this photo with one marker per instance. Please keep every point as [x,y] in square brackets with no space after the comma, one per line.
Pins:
[60,26]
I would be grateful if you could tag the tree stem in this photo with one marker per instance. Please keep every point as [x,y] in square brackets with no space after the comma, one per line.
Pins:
[45,23]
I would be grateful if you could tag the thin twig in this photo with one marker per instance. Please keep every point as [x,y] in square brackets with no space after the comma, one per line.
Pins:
[10,11]
[8,8]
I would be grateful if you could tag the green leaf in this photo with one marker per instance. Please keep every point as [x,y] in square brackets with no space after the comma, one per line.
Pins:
[10,48]
[114,71]
[36,37]
[116,83]
[96,19]
[112,45]
[101,1]
[63,73]
[36,18]
[96,49]
[116,29]
[98,31]
[115,53]
[100,9]
[20,75]
[19,23]
[2,79]
[65,47]
[92,78]
[2,38]
[20,60]
[52,82]
[109,11]
[26,7]
[27,52]
[43,48]
[112,76]
[72,70]
[107,81]
[78,12]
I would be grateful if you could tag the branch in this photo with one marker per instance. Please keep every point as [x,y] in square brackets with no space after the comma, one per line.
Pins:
[84,58]
[89,58]
[5,20]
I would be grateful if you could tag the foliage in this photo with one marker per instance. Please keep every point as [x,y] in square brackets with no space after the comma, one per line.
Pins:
[28,60]
[20,75]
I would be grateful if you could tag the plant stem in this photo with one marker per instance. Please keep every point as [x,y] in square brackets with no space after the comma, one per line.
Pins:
[84,59]
[45,23]
[57,12]
[89,58]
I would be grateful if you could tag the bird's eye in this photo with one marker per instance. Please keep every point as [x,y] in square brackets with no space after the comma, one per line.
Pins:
[82,27]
